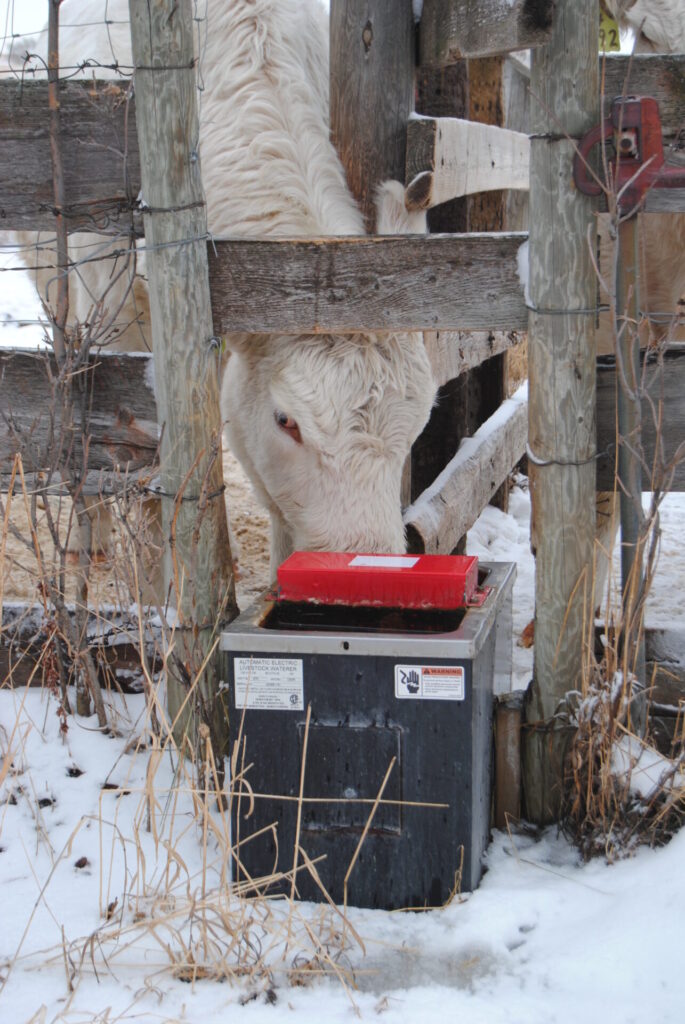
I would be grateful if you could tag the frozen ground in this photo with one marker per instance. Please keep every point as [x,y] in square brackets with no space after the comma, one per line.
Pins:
[544,939]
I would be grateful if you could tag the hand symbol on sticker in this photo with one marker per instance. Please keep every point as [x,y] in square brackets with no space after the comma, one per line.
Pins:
[411,681]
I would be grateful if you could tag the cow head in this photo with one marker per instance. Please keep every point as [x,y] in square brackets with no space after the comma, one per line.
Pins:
[322,425]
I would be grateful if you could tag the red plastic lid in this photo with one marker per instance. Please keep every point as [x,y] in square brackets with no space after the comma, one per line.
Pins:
[391,581]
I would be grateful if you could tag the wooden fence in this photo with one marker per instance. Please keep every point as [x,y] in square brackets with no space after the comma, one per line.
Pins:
[462,287]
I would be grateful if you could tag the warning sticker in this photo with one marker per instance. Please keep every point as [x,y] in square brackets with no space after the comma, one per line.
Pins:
[429,682]
[273,684]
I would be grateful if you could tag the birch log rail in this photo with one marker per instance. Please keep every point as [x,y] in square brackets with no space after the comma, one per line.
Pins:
[448,157]
[449,508]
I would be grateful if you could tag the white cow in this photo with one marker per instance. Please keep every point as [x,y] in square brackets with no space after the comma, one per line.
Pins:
[659,24]
[322,425]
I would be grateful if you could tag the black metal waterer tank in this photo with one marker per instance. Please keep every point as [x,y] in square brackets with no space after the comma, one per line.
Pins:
[398,694]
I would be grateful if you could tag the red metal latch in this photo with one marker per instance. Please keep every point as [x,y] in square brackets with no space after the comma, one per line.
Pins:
[637,166]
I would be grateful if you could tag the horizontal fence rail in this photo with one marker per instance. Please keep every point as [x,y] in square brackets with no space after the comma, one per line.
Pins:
[413,282]
[124,434]
[118,414]
[448,157]
[451,29]
[99,149]
[450,506]
[100,146]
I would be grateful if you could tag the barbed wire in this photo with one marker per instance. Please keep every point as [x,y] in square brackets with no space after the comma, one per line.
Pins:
[117,220]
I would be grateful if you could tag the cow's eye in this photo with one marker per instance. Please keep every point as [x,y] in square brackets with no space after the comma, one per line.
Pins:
[288,425]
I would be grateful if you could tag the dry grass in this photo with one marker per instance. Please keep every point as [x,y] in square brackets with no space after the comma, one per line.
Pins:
[621,793]
[178,911]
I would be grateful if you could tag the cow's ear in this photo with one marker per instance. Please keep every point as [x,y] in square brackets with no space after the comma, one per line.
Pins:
[392,216]
[240,343]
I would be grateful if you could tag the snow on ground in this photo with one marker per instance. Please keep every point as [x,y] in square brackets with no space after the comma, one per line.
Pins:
[544,938]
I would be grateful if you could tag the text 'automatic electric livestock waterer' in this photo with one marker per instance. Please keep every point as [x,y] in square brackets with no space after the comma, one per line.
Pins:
[360,694]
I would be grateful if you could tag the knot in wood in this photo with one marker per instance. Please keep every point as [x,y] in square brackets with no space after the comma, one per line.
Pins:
[124,416]
[367,36]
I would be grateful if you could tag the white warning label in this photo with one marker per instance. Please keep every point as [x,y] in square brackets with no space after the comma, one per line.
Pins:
[384,561]
[273,684]
[429,682]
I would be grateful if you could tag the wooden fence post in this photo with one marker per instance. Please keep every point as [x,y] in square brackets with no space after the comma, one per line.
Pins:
[564,105]
[371,98]
[186,356]
[372,92]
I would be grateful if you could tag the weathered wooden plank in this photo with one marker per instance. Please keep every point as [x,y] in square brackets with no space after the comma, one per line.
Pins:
[452,353]
[124,432]
[665,383]
[115,406]
[100,155]
[371,92]
[113,635]
[562,371]
[461,282]
[448,157]
[450,507]
[102,164]
[451,29]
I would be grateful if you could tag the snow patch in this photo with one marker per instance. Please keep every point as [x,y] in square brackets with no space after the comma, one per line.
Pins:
[523,269]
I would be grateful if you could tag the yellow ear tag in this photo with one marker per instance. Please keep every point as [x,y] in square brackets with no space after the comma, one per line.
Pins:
[609,39]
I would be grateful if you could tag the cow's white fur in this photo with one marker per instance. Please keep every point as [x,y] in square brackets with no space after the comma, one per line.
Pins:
[659,24]
[270,170]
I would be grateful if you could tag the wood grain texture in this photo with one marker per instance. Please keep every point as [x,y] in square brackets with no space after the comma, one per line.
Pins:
[113,633]
[102,164]
[450,507]
[449,157]
[186,367]
[114,408]
[562,371]
[464,282]
[100,155]
[371,92]
[452,353]
[451,29]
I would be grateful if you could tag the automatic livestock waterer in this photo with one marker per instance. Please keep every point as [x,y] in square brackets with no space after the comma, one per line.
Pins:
[396,657]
